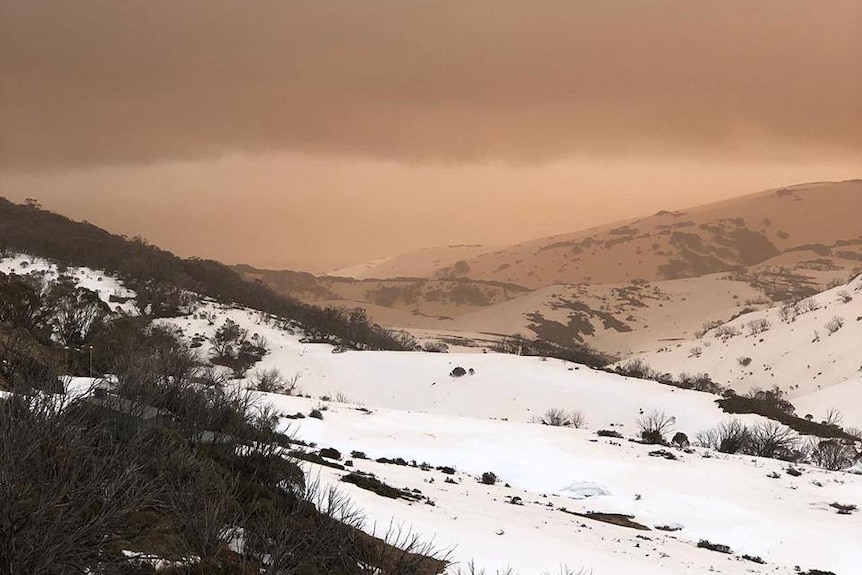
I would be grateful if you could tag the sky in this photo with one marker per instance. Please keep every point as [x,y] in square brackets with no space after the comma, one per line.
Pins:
[311,135]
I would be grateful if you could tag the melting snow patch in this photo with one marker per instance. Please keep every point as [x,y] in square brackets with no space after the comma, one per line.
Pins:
[583,490]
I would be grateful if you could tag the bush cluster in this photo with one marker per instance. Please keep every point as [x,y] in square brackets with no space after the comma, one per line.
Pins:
[165,459]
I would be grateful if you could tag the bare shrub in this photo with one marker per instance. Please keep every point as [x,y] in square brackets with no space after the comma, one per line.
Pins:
[706,327]
[730,436]
[638,368]
[560,418]
[699,382]
[696,351]
[725,332]
[268,380]
[833,454]
[67,491]
[655,425]
[845,296]
[771,439]
[435,347]
[758,326]
[833,417]
[834,324]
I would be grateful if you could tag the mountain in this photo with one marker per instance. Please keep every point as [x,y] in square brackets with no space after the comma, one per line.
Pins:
[624,288]
[231,439]
[428,262]
[816,222]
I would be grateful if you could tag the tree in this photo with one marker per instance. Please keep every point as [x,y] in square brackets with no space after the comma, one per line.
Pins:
[78,313]
[22,305]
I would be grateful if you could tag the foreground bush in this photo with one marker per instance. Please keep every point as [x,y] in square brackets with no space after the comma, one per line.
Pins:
[172,464]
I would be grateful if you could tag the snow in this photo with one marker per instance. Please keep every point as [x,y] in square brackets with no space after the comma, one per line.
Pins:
[405,404]
[95,280]
[481,423]
[845,396]
[800,356]
[725,499]
[504,386]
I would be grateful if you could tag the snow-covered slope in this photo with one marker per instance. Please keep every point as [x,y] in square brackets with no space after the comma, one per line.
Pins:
[98,281]
[503,386]
[749,504]
[407,405]
[804,350]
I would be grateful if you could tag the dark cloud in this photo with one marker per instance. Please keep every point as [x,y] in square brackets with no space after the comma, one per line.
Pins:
[102,82]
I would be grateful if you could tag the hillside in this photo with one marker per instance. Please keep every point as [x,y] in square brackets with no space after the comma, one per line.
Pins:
[159,277]
[806,347]
[433,298]
[624,288]
[416,443]
[428,262]
[819,219]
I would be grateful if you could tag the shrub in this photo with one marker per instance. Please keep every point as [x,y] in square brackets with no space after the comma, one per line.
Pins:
[744,361]
[833,454]
[725,332]
[654,426]
[315,413]
[680,440]
[704,544]
[833,417]
[330,453]
[698,382]
[269,381]
[844,508]
[435,347]
[609,433]
[834,324]
[771,439]
[758,326]
[727,437]
[560,418]
[773,398]
[489,478]
[639,369]
[458,372]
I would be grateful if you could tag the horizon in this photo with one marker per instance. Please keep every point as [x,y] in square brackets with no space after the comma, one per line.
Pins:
[324,269]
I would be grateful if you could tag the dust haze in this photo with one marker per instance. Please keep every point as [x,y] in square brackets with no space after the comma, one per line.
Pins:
[333,131]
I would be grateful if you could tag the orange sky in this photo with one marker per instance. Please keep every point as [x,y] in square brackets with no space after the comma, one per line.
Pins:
[309,134]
